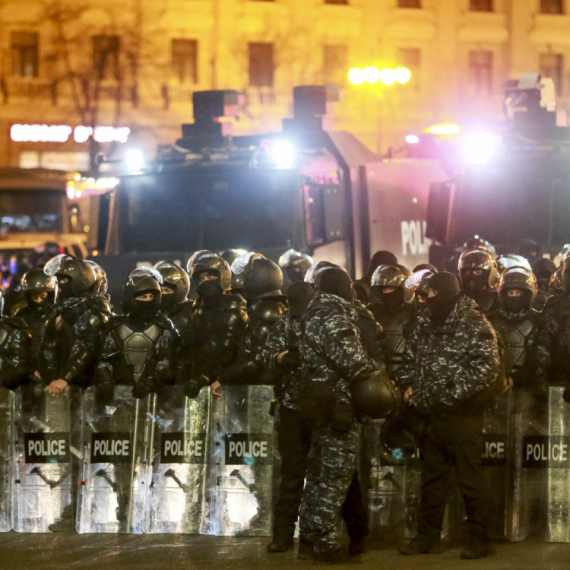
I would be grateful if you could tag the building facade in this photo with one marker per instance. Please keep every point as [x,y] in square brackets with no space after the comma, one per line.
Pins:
[132,66]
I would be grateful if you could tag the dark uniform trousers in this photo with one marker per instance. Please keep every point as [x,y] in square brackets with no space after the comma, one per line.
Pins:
[453,442]
[294,446]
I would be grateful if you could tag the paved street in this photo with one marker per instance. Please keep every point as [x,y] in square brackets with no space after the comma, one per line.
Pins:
[177,552]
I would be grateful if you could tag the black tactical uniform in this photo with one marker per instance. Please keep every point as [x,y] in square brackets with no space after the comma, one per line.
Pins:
[543,270]
[14,349]
[481,288]
[138,350]
[393,311]
[175,306]
[333,357]
[362,286]
[516,324]
[40,319]
[552,349]
[216,326]
[451,364]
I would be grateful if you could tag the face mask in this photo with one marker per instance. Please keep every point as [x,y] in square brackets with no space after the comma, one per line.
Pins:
[440,307]
[66,290]
[474,284]
[394,300]
[210,290]
[145,310]
[168,302]
[544,284]
[515,304]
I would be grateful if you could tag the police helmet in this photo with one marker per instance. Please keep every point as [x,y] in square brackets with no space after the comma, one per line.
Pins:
[477,242]
[557,280]
[397,444]
[316,269]
[36,281]
[139,283]
[102,285]
[473,259]
[374,395]
[239,265]
[212,262]
[79,272]
[512,260]
[295,259]
[418,281]
[390,276]
[147,270]
[230,255]
[262,278]
[176,278]
[518,278]
[194,258]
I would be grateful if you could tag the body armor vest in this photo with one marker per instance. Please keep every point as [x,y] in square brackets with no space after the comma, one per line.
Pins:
[394,328]
[138,346]
[515,335]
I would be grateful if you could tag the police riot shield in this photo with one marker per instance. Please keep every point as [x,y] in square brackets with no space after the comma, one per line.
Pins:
[539,498]
[116,471]
[42,458]
[178,494]
[394,492]
[242,462]
[6,458]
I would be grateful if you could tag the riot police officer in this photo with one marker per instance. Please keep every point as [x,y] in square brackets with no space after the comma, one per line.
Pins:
[392,310]
[102,284]
[175,288]
[552,349]
[543,269]
[333,357]
[479,278]
[362,286]
[40,313]
[418,285]
[14,349]
[192,260]
[294,265]
[515,323]
[215,328]
[83,314]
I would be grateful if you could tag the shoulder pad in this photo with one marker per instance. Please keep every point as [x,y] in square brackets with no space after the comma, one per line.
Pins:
[98,302]
[473,315]
[163,322]
[268,311]
[115,321]
[234,301]
[16,322]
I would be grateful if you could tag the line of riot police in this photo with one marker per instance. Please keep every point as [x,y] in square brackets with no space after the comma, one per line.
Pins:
[337,364]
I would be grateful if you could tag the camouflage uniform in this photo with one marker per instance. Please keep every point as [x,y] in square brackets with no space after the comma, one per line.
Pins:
[552,347]
[333,356]
[450,368]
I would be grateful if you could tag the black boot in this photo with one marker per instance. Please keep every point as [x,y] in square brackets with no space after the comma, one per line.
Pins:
[476,548]
[422,545]
[280,544]
[356,545]
[305,550]
[338,556]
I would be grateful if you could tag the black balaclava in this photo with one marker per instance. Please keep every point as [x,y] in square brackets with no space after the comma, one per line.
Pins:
[378,259]
[211,291]
[66,290]
[515,304]
[543,269]
[168,302]
[442,304]
[145,310]
[392,301]
[299,295]
[42,307]
[337,282]
[473,285]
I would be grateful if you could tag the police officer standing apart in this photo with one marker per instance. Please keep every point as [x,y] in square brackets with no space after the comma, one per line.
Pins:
[333,357]
[449,374]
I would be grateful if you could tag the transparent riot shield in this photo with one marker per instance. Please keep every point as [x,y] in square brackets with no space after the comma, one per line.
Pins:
[42,458]
[178,495]
[242,462]
[116,472]
[394,492]
[539,499]
[6,458]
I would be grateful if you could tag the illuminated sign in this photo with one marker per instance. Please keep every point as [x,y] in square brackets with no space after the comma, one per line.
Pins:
[62,133]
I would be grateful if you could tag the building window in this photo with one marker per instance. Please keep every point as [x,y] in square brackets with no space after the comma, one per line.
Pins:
[552,65]
[335,64]
[481,5]
[412,59]
[25,54]
[552,6]
[106,56]
[342,2]
[261,65]
[409,3]
[185,60]
[481,71]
